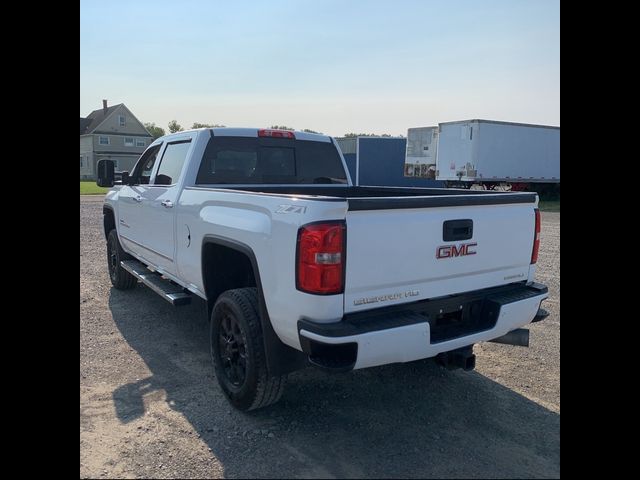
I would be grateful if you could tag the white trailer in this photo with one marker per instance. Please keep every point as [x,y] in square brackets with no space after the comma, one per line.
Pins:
[422,150]
[492,154]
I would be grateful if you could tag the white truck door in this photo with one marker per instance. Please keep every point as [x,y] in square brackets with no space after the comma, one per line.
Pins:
[131,203]
[157,224]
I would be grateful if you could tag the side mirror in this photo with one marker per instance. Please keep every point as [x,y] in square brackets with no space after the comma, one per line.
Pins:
[106,173]
[124,178]
[162,179]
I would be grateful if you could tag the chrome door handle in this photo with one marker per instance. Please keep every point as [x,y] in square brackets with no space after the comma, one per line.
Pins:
[138,198]
[166,203]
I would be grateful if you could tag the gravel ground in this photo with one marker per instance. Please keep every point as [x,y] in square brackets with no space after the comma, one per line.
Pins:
[150,405]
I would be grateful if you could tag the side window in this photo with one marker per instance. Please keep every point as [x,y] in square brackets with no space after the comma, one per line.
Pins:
[172,162]
[144,167]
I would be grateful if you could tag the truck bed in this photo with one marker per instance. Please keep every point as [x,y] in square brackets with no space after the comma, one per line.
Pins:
[383,198]
[395,234]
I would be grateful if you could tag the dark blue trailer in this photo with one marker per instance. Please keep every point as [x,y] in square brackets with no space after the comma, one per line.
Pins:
[380,161]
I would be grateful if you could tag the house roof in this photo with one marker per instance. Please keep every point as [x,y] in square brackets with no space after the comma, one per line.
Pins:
[84,123]
[96,117]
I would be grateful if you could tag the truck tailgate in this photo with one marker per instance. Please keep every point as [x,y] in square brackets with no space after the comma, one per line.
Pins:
[392,254]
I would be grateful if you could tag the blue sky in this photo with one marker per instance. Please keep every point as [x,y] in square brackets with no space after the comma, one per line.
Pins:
[332,66]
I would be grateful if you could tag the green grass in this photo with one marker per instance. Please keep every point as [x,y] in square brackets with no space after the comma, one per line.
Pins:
[88,187]
[549,205]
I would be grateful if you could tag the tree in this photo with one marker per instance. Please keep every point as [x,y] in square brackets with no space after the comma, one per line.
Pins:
[351,135]
[174,126]
[205,125]
[281,127]
[154,130]
[308,130]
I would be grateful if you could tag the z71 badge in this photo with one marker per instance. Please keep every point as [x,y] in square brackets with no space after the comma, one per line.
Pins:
[291,209]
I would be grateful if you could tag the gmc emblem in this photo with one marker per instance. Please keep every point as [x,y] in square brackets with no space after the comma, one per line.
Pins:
[448,251]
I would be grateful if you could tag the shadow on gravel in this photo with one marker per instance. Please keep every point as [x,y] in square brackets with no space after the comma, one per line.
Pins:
[411,420]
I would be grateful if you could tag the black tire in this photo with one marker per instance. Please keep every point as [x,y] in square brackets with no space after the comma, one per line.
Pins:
[120,278]
[237,350]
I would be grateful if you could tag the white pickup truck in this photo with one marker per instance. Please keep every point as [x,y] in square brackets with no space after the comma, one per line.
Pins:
[300,267]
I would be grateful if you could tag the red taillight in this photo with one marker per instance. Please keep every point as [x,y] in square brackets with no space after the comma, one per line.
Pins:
[320,258]
[536,238]
[265,132]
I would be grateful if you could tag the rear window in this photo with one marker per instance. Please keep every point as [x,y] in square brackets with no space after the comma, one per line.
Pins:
[247,160]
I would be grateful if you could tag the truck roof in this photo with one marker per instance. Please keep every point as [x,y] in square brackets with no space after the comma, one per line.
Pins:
[251,132]
[479,120]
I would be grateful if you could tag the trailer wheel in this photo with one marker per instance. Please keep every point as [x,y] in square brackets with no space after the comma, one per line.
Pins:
[237,351]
